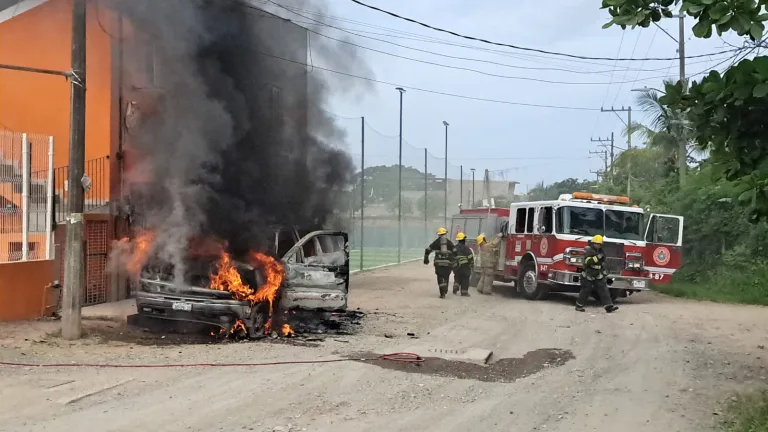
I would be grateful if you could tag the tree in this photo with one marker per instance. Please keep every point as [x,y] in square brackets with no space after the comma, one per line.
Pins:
[726,111]
[540,192]
[435,204]
[407,206]
[381,182]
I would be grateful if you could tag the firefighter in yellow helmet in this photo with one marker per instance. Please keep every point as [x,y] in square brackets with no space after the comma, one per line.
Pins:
[444,257]
[593,276]
[489,257]
[462,267]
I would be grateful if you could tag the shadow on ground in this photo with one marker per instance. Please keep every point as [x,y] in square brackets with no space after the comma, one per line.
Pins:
[505,370]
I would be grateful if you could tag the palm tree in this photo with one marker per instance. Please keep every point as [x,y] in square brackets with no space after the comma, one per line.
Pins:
[666,126]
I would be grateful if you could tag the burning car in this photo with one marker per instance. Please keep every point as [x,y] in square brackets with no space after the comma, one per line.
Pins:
[307,273]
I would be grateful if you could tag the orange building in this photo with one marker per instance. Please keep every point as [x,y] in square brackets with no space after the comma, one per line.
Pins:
[37,34]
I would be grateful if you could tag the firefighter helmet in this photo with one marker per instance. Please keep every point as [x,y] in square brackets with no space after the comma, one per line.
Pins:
[480,238]
[598,239]
[461,236]
[441,231]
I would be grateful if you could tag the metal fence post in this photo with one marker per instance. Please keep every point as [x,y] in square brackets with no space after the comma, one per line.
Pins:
[25,176]
[461,184]
[362,189]
[426,188]
[49,203]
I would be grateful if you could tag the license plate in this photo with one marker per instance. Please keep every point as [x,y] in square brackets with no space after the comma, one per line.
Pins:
[180,306]
[638,284]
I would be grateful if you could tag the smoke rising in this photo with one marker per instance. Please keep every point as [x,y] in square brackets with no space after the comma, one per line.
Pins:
[233,142]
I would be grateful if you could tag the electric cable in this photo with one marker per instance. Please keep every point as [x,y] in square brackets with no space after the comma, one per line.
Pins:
[524,57]
[486,41]
[459,96]
[396,357]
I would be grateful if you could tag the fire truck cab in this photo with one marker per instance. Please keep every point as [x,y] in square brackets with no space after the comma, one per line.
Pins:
[543,245]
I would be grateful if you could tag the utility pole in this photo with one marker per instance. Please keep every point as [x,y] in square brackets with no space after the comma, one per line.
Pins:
[604,156]
[597,174]
[400,181]
[682,150]
[610,157]
[628,110]
[74,266]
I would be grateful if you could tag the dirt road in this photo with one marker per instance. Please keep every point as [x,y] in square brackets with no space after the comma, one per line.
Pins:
[657,364]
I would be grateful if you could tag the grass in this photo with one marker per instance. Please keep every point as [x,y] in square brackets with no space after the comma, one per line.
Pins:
[748,285]
[747,414]
[374,257]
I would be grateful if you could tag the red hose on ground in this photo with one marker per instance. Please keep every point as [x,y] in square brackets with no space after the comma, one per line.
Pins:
[398,357]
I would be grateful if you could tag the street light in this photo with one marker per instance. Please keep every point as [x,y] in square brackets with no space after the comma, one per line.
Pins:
[645,89]
[472,204]
[400,180]
[445,178]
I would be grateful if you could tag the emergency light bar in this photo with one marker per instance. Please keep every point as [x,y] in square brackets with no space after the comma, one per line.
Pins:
[601,198]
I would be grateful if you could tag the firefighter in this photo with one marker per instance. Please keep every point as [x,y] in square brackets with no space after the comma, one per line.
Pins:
[444,257]
[489,256]
[593,276]
[462,268]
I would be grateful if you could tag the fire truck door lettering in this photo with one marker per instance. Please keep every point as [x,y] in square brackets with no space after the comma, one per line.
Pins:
[518,246]
[527,245]
[543,268]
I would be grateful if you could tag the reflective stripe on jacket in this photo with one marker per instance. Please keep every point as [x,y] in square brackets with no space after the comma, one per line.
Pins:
[593,263]
[444,252]
[464,257]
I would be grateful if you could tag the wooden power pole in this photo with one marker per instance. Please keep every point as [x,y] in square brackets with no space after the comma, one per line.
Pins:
[74,265]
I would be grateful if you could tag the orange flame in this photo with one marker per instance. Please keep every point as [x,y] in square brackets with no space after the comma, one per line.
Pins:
[238,327]
[287,330]
[228,278]
[141,248]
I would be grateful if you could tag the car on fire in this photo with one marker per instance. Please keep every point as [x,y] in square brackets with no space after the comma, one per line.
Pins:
[543,243]
[315,278]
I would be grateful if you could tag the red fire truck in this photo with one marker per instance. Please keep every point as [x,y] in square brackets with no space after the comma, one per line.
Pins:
[543,243]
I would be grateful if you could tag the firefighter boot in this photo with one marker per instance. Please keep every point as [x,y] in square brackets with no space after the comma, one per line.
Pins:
[580,308]
[611,308]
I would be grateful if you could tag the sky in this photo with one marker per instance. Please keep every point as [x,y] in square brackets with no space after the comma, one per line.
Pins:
[525,144]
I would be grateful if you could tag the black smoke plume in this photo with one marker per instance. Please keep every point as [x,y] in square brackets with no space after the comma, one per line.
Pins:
[236,141]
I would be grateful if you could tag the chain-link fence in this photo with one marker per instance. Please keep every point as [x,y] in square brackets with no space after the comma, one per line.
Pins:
[396,206]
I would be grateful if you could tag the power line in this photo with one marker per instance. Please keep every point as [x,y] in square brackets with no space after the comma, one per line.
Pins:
[352,32]
[498,101]
[618,92]
[426,39]
[476,70]
[486,41]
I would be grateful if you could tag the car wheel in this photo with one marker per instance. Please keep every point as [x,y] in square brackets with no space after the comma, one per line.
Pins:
[528,282]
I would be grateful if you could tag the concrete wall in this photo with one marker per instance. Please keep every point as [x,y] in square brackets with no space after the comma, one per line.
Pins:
[40,104]
[23,292]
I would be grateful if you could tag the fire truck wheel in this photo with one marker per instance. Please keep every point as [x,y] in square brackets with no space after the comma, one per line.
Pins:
[474,279]
[528,283]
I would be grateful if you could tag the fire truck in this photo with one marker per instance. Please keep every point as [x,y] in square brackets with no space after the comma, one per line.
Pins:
[543,243]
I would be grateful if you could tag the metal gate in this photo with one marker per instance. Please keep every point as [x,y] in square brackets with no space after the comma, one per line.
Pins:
[96,241]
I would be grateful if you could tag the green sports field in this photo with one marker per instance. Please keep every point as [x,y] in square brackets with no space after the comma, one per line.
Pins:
[375,257]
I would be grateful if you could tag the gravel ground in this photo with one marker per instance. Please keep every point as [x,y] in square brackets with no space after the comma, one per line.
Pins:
[658,364]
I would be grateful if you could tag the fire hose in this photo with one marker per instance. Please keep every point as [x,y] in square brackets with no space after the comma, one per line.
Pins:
[396,357]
